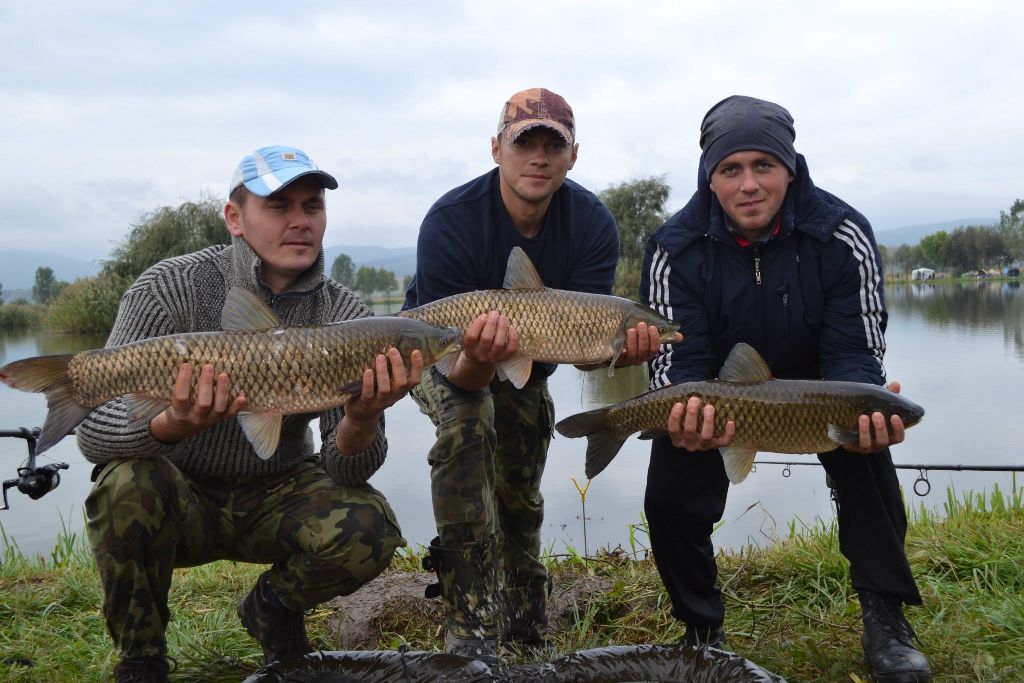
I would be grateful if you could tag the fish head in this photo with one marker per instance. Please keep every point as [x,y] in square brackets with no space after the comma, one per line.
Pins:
[433,342]
[890,403]
[645,314]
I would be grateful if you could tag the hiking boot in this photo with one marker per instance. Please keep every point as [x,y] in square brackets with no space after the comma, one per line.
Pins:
[704,636]
[142,670]
[525,626]
[888,641]
[468,582]
[281,632]
[481,649]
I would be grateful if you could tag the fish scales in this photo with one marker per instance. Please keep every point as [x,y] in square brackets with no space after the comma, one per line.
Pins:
[554,326]
[775,415]
[790,416]
[281,370]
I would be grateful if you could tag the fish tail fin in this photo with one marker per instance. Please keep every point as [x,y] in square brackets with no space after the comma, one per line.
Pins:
[602,443]
[48,375]
[738,462]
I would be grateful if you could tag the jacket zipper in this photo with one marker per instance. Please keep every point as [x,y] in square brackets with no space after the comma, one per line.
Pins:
[757,267]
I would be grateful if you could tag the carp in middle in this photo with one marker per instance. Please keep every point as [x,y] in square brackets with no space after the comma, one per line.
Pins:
[775,415]
[554,325]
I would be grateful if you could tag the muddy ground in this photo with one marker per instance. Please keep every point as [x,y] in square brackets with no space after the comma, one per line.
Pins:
[355,617]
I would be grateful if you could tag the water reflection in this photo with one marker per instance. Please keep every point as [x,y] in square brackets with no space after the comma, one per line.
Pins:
[968,308]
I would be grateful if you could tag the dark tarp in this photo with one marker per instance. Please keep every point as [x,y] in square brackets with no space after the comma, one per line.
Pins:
[616,664]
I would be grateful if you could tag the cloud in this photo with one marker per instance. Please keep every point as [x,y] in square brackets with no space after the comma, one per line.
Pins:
[908,110]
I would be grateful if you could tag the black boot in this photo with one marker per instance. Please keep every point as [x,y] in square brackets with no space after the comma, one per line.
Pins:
[525,627]
[888,641]
[281,632]
[468,581]
[704,636]
[142,670]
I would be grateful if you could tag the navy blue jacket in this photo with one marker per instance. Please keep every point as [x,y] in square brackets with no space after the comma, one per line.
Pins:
[818,311]
[466,237]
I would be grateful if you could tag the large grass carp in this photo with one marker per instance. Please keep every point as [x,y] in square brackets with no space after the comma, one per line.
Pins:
[554,325]
[775,415]
[280,370]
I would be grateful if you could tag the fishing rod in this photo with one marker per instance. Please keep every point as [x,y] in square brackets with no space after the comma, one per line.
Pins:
[32,480]
[922,487]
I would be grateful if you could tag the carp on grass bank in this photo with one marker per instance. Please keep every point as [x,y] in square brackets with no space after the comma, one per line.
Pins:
[280,370]
[554,325]
[775,415]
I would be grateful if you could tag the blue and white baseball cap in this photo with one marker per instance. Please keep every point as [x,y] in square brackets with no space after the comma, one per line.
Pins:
[268,169]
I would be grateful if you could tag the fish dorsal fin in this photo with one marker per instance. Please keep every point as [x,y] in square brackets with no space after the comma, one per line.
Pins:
[520,272]
[244,311]
[744,366]
[263,431]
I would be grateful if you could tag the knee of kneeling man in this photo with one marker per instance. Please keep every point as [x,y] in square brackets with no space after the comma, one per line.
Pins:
[366,538]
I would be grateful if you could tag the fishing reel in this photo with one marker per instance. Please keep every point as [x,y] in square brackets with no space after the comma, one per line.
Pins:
[35,482]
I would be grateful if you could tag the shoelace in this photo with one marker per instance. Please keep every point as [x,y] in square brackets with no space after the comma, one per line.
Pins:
[891,619]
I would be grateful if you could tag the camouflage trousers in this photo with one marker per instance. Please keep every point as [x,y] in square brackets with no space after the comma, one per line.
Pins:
[486,468]
[145,518]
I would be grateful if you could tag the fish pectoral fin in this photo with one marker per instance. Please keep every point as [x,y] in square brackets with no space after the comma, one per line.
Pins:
[520,272]
[263,431]
[649,434]
[244,311]
[617,346]
[841,436]
[141,408]
[447,364]
[517,370]
[738,462]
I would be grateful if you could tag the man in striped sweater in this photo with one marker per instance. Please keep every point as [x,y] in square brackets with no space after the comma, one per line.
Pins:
[760,255]
[187,488]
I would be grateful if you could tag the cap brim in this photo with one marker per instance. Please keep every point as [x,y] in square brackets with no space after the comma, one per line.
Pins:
[514,130]
[268,184]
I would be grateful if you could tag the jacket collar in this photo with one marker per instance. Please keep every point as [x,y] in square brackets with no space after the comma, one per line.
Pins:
[244,271]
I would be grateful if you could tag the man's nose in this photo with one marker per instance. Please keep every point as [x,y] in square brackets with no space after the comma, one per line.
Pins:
[299,218]
[748,183]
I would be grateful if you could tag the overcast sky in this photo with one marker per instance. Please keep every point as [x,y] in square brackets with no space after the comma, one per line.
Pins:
[912,112]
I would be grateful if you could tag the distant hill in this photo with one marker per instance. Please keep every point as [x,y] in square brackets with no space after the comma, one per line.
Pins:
[912,234]
[18,268]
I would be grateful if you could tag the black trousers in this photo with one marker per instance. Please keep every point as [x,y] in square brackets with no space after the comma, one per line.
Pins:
[686,495]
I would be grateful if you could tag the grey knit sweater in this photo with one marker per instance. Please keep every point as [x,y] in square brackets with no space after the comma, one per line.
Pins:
[186,294]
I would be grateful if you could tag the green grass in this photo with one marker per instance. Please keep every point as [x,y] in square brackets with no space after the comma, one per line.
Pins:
[789,607]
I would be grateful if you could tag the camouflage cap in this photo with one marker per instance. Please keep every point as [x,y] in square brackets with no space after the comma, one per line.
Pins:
[537,107]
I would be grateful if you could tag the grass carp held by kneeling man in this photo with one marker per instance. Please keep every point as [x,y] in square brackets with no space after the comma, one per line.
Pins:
[554,325]
[774,415]
[280,370]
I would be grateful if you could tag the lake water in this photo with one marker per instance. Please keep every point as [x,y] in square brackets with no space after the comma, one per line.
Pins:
[957,349]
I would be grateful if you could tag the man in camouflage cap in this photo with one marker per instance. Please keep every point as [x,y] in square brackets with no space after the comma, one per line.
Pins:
[186,487]
[492,439]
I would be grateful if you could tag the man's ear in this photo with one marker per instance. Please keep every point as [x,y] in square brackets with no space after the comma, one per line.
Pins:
[575,151]
[496,150]
[233,218]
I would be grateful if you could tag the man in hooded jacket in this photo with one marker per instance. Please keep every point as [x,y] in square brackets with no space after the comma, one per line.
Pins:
[762,256]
